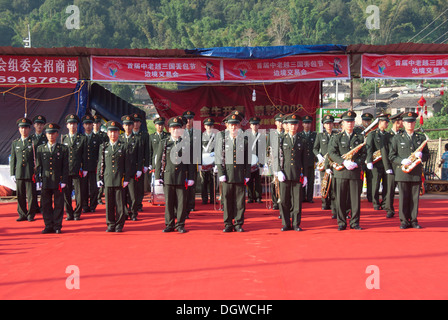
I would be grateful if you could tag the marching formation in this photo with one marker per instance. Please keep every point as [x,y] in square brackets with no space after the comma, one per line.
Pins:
[226,163]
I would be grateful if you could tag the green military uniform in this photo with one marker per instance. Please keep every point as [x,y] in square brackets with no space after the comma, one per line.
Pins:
[52,174]
[233,172]
[309,138]
[320,148]
[290,164]
[89,187]
[135,162]
[41,139]
[391,183]
[103,138]
[174,171]
[114,172]
[379,140]
[272,152]
[368,173]
[144,145]
[402,146]
[77,146]
[348,182]
[207,175]
[22,165]
[256,141]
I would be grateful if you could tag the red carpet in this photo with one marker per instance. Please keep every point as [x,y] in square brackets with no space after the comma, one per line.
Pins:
[262,263]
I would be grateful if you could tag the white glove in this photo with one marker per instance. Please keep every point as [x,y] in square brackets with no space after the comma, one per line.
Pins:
[99,184]
[222,179]
[329,171]
[215,169]
[305,182]
[145,169]
[13,178]
[246,180]
[138,174]
[390,171]
[190,183]
[370,166]
[349,165]
[419,154]
[281,176]
[38,186]
[320,158]
[84,173]
[212,154]
[158,182]
[125,184]
[63,185]
[406,162]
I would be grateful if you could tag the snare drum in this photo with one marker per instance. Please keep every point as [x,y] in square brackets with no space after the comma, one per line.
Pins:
[208,161]
[254,163]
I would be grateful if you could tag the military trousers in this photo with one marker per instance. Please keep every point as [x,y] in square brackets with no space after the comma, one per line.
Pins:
[291,203]
[234,203]
[348,198]
[52,201]
[388,203]
[379,177]
[308,191]
[74,183]
[26,194]
[254,190]
[115,207]
[409,197]
[208,186]
[131,194]
[175,204]
[89,191]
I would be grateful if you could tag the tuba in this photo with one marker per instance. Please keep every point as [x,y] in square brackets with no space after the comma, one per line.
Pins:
[414,159]
[348,156]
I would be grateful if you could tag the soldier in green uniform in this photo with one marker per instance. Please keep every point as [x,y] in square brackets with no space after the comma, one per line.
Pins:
[174,171]
[272,152]
[144,145]
[39,137]
[290,173]
[348,179]
[206,173]
[154,142]
[308,137]
[257,141]
[397,127]
[52,175]
[320,150]
[378,140]
[114,173]
[22,171]
[367,119]
[77,146]
[233,172]
[97,122]
[402,146]
[89,183]
[135,162]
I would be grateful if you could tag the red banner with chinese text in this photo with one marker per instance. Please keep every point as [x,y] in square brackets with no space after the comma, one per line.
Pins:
[61,72]
[141,69]
[295,68]
[218,101]
[397,66]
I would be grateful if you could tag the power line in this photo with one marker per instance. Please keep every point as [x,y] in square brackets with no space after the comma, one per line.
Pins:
[433,30]
[427,26]
[441,36]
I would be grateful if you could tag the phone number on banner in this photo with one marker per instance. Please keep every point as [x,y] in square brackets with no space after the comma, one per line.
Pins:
[38,80]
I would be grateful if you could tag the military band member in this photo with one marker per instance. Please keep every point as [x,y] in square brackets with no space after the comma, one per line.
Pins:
[233,172]
[144,145]
[39,137]
[52,172]
[89,183]
[308,138]
[206,173]
[134,163]
[348,179]
[97,122]
[378,140]
[254,190]
[397,127]
[114,173]
[402,146]
[175,174]
[192,137]
[272,149]
[367,119]
[154,141]
[320,150]
[76,144]
[289,168]
[22,171]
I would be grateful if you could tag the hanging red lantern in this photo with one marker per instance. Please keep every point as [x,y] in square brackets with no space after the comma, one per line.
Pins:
[441,91]
[426,110]
[422,101]
[421,120]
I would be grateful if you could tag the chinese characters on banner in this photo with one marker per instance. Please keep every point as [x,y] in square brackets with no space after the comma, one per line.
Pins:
[405,66]
[62,72]
[299,68]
